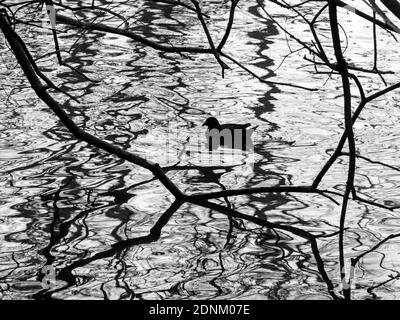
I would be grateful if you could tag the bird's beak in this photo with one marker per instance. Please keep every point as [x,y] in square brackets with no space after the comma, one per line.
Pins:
[204,124]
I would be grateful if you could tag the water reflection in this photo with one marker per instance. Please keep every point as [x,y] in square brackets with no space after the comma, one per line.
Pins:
[113,232]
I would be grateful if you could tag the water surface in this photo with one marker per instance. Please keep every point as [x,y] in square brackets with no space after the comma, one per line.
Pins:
[66,204]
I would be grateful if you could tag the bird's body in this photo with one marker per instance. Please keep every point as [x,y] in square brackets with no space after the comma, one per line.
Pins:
[213,123]
[231,135]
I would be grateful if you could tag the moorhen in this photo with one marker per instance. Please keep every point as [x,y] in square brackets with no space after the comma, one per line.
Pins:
[230,135]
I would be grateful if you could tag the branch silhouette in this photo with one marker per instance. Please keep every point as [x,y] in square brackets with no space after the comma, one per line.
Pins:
[336,64]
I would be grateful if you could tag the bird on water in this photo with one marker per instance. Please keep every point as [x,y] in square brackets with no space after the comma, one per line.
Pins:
[213,123]
[231,135]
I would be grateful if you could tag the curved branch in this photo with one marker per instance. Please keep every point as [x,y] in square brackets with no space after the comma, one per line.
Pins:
[23,59]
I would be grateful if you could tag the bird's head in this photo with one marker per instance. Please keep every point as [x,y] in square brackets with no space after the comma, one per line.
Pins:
[212,123]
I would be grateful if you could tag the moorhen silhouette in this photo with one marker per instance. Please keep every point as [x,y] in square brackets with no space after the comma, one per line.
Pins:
[231,135]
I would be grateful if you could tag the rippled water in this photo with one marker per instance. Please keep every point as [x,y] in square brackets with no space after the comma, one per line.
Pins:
[66,204]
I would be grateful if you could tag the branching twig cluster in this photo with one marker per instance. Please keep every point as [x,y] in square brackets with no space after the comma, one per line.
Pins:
[320,58]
